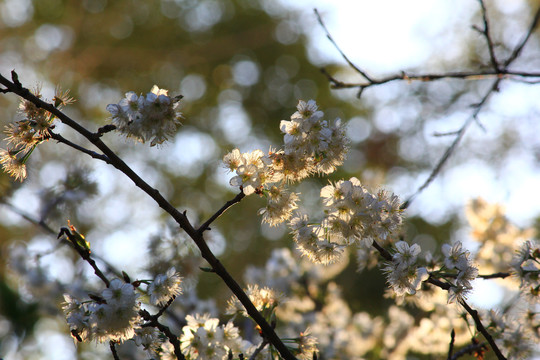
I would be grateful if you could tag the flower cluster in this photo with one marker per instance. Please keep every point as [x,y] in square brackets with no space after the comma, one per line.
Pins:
[526,266]
[496,234]
[152,117]
[112,316]
[404,276]
[24,135]
[264,299]
[204,338]
[164,287]
[352,215]
[253,170]
[457,258]
[311,145]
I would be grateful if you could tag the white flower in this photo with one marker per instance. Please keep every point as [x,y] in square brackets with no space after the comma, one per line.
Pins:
[11,164]
[77,318]
[153,117]
[114,322]
[280,206]
[406,254]
[253,169]
[262,298]
[120,294]
[164,287]
[204,338]
[452,254]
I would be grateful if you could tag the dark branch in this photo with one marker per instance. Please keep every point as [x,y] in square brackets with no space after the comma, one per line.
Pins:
[451,346]
[85,254]
[483,330]
[65,141]
[382,251]
[357,69]
[470,349]
[218,213]
[112,346]
[517,50]
[487,35]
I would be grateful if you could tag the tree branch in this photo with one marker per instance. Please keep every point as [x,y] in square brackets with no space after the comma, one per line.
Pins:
[357,69]
[65,141]
[218,213]
[487,35]
[483,330]
[85,254]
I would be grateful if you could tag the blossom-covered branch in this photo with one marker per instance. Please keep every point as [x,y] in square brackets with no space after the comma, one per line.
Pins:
[16,87]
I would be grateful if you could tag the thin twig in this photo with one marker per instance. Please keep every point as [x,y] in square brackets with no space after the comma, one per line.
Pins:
[63,241]
[85,254]
[356,68]
[65,141]
[218,213]
[483,330]
[500,275]
[478,75]
[259,348]
[164,308]
[469,349]
[450,150]
[487,35]
[517,50]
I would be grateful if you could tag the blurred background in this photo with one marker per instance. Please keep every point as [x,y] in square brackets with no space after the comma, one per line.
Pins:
[242,66]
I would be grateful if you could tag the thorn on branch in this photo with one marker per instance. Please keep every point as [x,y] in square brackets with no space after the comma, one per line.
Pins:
[105,129]
[15,79]
[476,28]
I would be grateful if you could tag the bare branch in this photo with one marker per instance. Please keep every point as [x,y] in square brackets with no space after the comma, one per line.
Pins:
[112,346]
[85,254]
[218,213]
[517,50]
[259,348]
[487,35]
[357,69]
[65,141]
[483,330]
